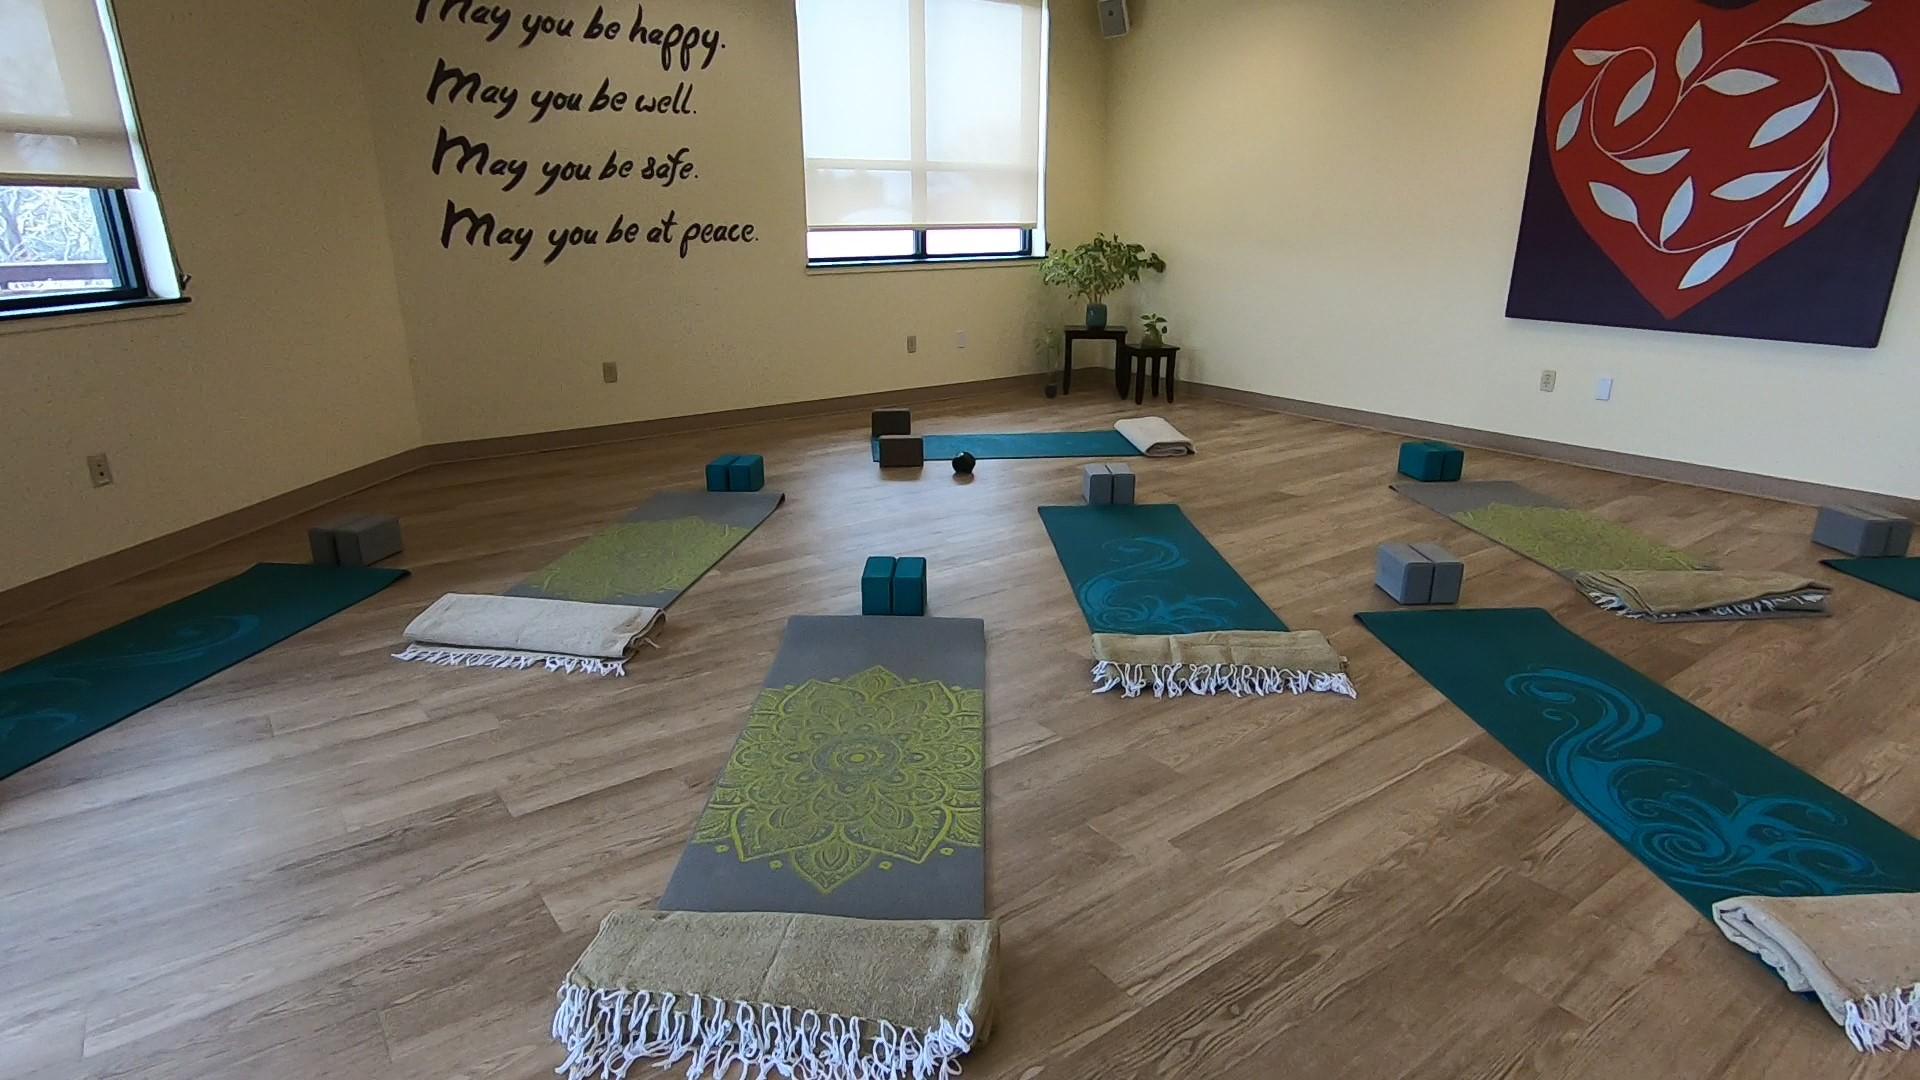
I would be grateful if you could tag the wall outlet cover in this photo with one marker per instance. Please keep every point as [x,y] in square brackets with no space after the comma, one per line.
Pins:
[610,372]
[99,470]
[1548,380]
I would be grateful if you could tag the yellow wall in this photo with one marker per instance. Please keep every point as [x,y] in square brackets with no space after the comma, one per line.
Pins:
[290,364]
[1337,188]
[503,348]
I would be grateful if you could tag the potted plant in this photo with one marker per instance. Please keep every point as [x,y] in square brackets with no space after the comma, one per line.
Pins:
[1155,332]
[1097,269]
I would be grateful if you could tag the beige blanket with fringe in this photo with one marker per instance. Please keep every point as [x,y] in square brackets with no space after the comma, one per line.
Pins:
[1680,592]
[1219,662]
[778,994]
[518,632]
[1859,954]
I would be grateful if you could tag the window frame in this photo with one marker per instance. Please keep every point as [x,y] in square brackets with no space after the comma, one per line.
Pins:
[920,257]
[123,254]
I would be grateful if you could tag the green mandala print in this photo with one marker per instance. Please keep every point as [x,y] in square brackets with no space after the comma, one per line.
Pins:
[638,558]
[832,778]
[1573,540]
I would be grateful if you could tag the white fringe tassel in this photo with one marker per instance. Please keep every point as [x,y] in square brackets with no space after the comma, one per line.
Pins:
[507,660]
[1173,680]
[1748,609]
[1874,1022]
[607,1031]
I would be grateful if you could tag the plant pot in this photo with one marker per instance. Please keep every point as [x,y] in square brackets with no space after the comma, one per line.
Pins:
[1153,341]
[1096,316]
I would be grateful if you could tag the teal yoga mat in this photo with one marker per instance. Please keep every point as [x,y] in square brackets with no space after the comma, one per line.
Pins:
[1711,812]
[47,705]
[1038,444]
[1146,570]
[1897,575]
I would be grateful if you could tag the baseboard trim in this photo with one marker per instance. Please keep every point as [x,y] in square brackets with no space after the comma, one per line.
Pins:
[63,585]
[1652,468]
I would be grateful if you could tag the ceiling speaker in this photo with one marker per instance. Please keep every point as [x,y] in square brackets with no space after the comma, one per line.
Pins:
[1113,18]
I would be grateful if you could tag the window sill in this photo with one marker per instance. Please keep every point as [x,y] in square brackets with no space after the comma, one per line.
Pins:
[884,265]
[26,320]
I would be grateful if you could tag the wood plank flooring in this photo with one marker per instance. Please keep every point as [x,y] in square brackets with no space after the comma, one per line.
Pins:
[324,864]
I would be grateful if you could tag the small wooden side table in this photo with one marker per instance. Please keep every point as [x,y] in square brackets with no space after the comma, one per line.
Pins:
[1115,334]
[1136,357]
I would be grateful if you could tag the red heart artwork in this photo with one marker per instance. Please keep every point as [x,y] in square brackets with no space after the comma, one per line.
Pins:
[1695,142]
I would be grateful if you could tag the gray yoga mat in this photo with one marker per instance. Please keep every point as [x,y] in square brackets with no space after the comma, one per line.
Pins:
[1570,541]
[655,553]
[856,788]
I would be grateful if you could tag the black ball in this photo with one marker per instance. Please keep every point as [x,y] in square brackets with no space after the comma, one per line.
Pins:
[963,464]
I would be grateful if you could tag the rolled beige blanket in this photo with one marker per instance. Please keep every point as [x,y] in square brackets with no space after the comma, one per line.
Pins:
[1220,662]
[778,994]
[519,632]
[1154,437]
[1655,593]
[1859,954]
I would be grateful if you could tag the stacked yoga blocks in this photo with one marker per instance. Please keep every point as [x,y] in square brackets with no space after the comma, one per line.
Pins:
[737,472]
[1432,461]
[894,586]
[1108,485]
[899,447]
[361,540]
[1863,533]
[1419,574]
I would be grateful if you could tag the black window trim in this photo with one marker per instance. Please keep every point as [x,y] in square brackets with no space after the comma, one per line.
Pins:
[920,256]
[123,253]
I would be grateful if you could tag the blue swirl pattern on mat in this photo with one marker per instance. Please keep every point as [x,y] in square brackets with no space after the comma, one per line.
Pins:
[1144,569]
[1141,595]
[1689,827]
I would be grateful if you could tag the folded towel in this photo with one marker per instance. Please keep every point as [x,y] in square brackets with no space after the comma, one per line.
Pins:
[1155,437]
[778,994]
[1859,954]
[466,630]
[1669,593]
[1220,662]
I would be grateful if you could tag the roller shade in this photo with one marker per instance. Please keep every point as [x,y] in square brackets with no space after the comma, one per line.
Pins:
[63,117]
[922,113]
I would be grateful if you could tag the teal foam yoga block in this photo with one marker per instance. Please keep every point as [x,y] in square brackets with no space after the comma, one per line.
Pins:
[748,472]
[876,586]
[717,472]
[910,586]
[1432,461]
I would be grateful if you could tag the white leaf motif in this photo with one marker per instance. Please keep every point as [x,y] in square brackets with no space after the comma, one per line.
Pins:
[1739,82]
[1594,57]
[1869,69]
[1613,202]
[1787,121]
[1826,12]
[1813,196]
[1751,186]
[1678,211]
[1570,125]
[1709,265]
[1657,164]
[1692,48]
[1636,99]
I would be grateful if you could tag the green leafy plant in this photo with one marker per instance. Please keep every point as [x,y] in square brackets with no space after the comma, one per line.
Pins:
[1156,328]
[1100,267]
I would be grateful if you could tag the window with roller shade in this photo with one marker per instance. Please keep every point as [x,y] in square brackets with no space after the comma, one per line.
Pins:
[75,197]
[922,125]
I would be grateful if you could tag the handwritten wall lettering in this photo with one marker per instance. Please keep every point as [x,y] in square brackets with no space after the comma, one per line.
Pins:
[686,48]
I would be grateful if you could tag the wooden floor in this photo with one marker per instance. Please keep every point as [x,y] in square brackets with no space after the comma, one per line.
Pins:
[324,864]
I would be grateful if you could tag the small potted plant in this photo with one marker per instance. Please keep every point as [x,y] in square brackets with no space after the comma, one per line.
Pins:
[1154,334]
[1097,269]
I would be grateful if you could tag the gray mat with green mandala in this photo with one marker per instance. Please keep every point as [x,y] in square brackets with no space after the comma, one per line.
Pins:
[829,915]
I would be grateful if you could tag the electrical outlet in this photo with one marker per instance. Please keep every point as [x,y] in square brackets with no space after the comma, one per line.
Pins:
[100,470]
[1604,390]
[913,343]
[1548,380]
[960,339]
[610,372]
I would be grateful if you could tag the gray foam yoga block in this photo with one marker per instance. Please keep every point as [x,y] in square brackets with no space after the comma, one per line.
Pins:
[1449,573]
[1123,484]
[1899,539]
[367,539]
[320,540]
[1097,485]
[1858,531]
[1404,574]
